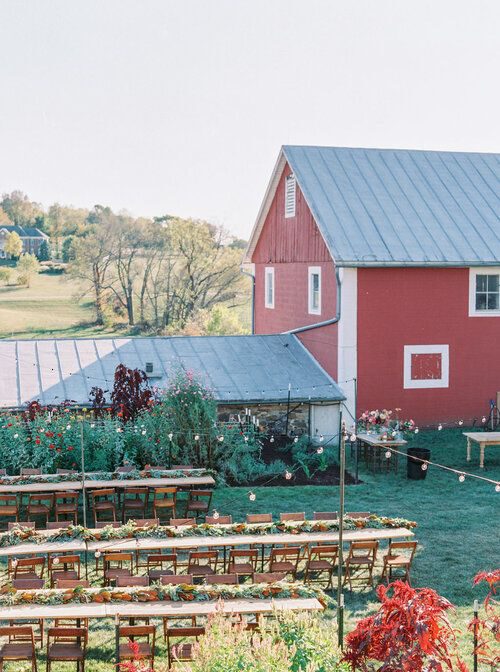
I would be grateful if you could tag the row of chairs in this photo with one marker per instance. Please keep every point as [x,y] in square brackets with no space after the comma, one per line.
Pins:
[107,504]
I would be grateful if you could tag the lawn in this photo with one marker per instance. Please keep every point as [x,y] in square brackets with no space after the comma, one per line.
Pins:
[458,530]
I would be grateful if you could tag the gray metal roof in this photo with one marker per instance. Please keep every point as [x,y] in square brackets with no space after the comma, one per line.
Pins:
[237,368]
[402,207]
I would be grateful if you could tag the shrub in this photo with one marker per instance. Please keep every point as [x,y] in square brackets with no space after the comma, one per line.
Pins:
[5,275]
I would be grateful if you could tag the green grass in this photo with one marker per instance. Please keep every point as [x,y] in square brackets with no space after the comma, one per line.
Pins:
[457,530]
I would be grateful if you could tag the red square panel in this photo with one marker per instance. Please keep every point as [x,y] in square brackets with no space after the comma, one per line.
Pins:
[426,366]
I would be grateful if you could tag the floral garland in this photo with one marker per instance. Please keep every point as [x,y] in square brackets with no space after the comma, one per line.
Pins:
[131,531]
[106,476]
[160,593]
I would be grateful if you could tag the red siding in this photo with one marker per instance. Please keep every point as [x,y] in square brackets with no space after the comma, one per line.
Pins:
[408,306]
[290,246]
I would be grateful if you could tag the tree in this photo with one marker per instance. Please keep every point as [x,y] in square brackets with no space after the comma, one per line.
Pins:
[20,210]
[27,266]
[44,252]
[13,245]
[68,253]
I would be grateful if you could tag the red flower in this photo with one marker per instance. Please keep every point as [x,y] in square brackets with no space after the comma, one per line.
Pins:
[37,441]
[49,434]
[51,446]
[9,424]
[70,448]
[58,450]
[59,434]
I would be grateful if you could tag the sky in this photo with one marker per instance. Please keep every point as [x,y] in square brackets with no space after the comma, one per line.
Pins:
[181,106]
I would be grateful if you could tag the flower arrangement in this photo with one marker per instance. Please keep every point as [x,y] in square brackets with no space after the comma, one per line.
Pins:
[107,476]
[131,531]
[160,593]
[383,423]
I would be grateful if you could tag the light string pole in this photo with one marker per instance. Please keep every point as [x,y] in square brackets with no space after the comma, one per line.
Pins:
[340,594]
[84,493]
[476,616]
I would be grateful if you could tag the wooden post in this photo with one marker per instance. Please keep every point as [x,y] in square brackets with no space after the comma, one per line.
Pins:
[476,614]
[340,595]
[288,408]
[117,639]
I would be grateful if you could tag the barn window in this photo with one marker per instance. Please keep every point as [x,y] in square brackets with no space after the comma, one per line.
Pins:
[314,284]
[290,195]
[269,288]
[484,292]
[426,366]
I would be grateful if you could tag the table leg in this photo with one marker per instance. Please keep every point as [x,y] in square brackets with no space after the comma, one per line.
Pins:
[481,455]
[468,449]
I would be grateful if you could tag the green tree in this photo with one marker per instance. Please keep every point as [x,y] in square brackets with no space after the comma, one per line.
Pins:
[44,252]
[13,245]
[20,210]
[27,266]
[68,253]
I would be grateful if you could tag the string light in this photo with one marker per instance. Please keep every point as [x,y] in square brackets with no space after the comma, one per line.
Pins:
[440,427]
[497,487]
[483,419]
[353,437]
[271,440]
[424,466]
[288,475]
[296,439]
[221,438]
[252,496]
[55,561]
[319,450]
[388,454]
[196,437]
[416,430]
[245,438]
[97,554]
[321,437]
[170,436]
[215,514]
[461,478]
[460,422]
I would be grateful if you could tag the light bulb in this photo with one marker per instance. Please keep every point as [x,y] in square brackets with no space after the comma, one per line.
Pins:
[319,450]
[288,475]
[461,478]
[296,439]
[245,438]
[352,437]
[320,438]
[68,426]
[271,440]
[483,419]
[460,422]
[170,436]
[221,439]
[440,427]
[252,497]
[388,454]
[216,515]
[424,467]
[97,554]
[92,425]
[16,436]
[118,430]
[497,487]
[196,437]
[416,430]
[143,432]
[55,561]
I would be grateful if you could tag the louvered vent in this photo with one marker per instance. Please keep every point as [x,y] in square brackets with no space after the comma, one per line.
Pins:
[290,196]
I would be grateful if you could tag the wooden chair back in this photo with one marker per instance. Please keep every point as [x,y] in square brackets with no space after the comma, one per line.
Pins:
[100,524]
[117,560]
[3,472]
[72,583]
[68,635]
[28,584]
[325,515]
[358,514]
[165,493]
[29,566]
[181,467]
[63,563]
[286,554]
[145,522]
[221,520]
[131,581]
[328,552]
[58,524]
[41,499]
[259,518]
[8,500]
[268,577]
[177,580]
[31,472]
[181,652]
[400,547]
[103,495]
[225,579]
[66,472]
[158,561]
[179,522]
[125,469]
[298,517]
[200,558]
[66,497]
[30,524]
[18,632]
[362,549]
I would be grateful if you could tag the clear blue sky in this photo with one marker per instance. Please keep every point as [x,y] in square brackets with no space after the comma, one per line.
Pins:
[159,106]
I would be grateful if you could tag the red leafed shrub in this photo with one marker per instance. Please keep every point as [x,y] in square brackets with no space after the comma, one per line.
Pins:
[136,664]
[409,633]
[488,629]
[131,392]
[98,399]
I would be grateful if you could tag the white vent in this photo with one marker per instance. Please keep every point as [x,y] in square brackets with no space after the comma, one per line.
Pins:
[290,196]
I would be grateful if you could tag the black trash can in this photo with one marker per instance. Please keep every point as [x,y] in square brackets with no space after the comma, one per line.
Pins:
[414,467]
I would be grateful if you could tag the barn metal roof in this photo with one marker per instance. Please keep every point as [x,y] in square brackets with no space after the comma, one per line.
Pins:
[378,207]
[237,368]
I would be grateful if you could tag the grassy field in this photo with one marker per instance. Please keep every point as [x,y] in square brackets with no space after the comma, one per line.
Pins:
[458,531]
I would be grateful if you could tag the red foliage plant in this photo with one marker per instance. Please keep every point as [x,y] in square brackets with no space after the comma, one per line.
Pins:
[135,664]
[488,629]
[409,633]
[131,393]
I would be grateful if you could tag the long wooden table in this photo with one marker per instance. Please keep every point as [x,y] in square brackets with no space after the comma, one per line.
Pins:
[121,483]
[483,439]
[178,543]
[158,609]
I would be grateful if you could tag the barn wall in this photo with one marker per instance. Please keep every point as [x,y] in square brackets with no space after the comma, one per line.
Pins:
[427,306]
[291,245]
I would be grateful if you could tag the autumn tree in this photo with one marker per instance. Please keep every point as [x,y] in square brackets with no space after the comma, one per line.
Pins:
[20,210]
[27,266]
[13,245]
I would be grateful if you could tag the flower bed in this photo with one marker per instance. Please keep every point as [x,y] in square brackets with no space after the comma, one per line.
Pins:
[157,593]
[131,531]
[106,476]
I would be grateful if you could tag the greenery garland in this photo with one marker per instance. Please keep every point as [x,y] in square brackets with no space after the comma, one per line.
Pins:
[106,476]
[131,531]
[160,593]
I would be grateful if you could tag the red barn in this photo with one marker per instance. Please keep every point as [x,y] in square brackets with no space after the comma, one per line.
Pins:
[386,264]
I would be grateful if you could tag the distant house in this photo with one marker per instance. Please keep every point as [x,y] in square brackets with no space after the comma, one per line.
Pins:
[31,238]
[386,266]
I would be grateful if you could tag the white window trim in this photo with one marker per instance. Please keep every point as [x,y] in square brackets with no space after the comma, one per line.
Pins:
[269,272]
[289,215]
[313,270]
[473,272]
[443,350]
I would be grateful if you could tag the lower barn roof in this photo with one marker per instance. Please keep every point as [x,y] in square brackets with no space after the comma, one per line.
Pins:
[237,368]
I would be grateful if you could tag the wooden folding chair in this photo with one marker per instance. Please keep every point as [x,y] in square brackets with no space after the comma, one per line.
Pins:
[161,564]
[358,514]
[199,502]
[285,560]
[292,517]
[259,518]
[221,520]
[144,636]
[28,471]
[66,506]
[20,645]
[222,579]
[243,562]
[40,505]
[360,562]
[9,507]
[268,577]
[164,501]
[182,651]
[58,525]
[64,567]
[325,515]
[67,645]
[135,500]
[399,558]
[202,563]
[131,581]
[321,560]
[28,568]
[176,580]
[103,503]
[117,564]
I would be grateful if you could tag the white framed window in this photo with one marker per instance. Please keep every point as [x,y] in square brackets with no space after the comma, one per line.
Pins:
[290,189]
[426,366]
[484,292]
[314,290]
[269,287]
